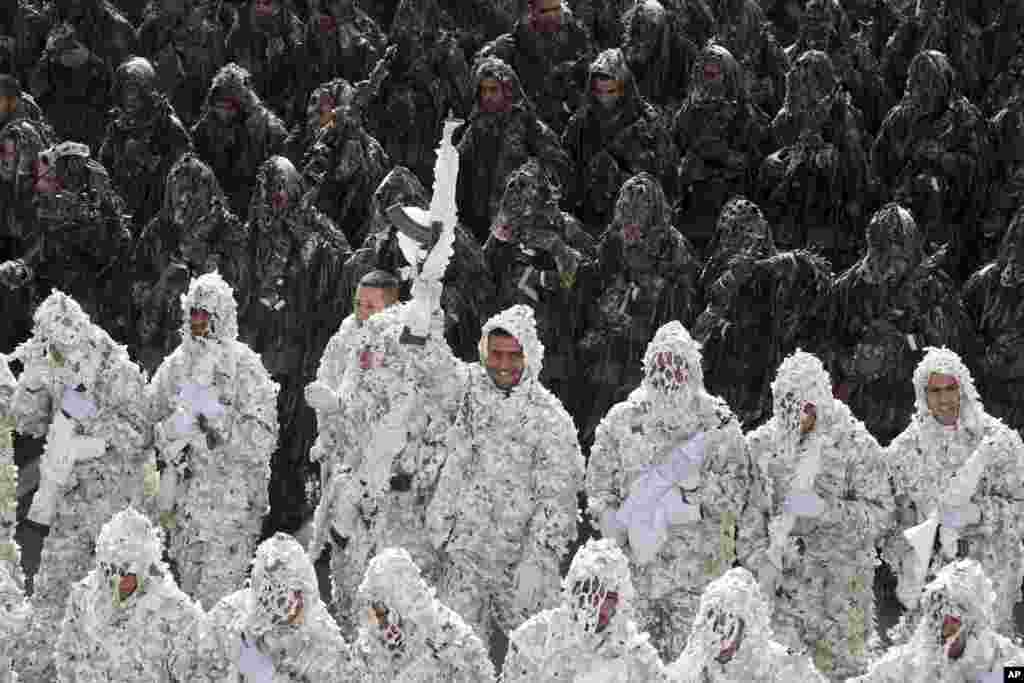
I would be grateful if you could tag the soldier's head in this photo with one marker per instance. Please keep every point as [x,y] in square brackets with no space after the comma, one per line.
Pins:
[893,244]
[545,16]
[819,23]
[930,81]
[957,606]
[643,30]
[128,552]
[135,85]
[810,86]
[377,290]
[716,76]
[944,390]
[598,586]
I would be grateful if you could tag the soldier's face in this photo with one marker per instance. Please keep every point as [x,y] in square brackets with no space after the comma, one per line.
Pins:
[546,15]
[325,110]
[505,361]
[943,396]
[8,160]
[8,105]
[227,109]
[492,95]
[372,300]
[607,91]
[808,418]
[199,323]
[264,9]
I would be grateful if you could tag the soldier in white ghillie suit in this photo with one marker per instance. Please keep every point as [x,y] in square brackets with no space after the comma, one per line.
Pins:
[959,482]
[123,618]
[955,641]
[826,504]
[215,410]
[411,637]
[275,631]
[379,494]
[376,291]
[504,512]
[592,635]
[82,392]
[14,607]
[669,478]
[731,639]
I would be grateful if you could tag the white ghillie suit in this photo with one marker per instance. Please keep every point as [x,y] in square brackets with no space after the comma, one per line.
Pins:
[214,479]
[8,470]
[576,641]
[731,639]
[14,607]
[968,478]
[668,440]
[276,629]
[394,398]
[827,501]
[338,355]
[422,641]
[505,507]
[80,390]
[107,638]
[960,591]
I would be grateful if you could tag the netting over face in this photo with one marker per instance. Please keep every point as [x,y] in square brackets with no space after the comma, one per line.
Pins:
[672,364]
[283,587]
[129,544]
[802,380]
[960,591]
[598,587]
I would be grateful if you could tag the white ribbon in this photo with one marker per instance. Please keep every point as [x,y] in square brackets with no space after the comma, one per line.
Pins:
[655,501]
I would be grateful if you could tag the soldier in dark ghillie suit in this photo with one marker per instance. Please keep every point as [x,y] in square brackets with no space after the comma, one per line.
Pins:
[722,139]
[760,305]
[537,254]
[994,299]
[614,135]
[549,51]
[194,233]
[293,307]
[930,154]
[883,312]
[503,131]
[645,276]
[143,141]
[814,187]
[236,133]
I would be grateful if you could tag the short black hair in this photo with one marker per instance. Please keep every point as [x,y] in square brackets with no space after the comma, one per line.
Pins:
[380,279]
[501,332]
